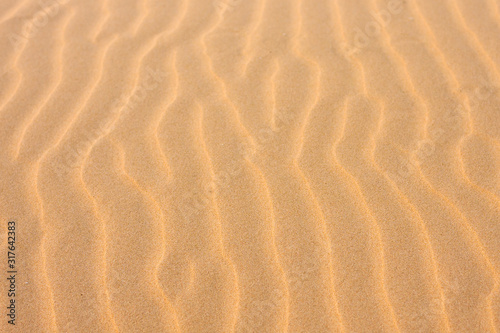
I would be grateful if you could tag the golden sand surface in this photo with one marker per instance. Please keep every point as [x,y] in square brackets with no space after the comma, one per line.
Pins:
[248,166]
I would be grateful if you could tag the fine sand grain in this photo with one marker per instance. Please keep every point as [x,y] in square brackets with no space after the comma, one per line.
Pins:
[244,166]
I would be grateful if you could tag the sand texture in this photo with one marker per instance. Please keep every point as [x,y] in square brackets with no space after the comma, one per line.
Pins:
[250,166]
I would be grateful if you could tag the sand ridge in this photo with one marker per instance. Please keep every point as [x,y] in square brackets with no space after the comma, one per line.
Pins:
[252,166]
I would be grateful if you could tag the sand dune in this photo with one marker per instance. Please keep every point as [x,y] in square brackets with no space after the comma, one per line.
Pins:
[250,166]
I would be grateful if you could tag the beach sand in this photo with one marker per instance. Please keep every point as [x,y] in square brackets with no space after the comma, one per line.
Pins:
[250,166]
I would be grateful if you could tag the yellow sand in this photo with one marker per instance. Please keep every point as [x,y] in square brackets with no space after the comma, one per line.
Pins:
[251,166]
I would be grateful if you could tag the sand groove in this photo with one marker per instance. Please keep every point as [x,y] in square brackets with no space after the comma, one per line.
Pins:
[251,166]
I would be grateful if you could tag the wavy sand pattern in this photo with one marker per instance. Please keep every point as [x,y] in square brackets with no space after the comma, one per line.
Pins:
[251,166]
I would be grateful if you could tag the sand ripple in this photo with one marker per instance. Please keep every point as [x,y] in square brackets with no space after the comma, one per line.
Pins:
[252,166]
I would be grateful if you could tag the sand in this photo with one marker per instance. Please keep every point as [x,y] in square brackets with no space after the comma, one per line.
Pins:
[250,166]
